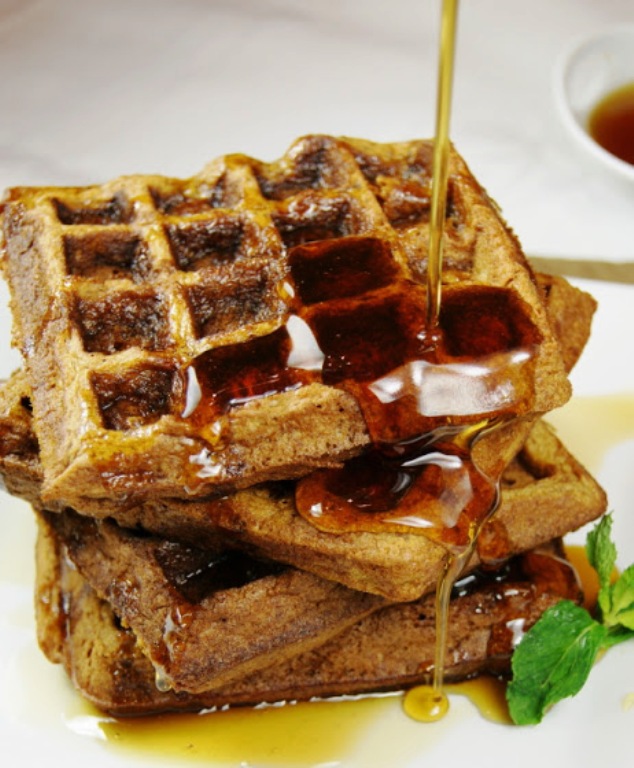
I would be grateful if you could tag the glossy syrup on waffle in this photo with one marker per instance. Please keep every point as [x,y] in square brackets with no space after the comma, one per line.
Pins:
[139,295]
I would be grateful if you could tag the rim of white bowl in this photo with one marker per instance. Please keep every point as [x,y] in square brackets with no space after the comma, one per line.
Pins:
[562,67]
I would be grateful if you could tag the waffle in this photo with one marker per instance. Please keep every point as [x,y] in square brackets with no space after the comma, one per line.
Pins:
[215,635]
[543,476]
[141,305]
[570,311]
[390,650]
[263,520]
[206,617]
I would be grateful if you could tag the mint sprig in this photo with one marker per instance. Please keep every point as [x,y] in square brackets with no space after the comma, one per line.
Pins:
[554,659]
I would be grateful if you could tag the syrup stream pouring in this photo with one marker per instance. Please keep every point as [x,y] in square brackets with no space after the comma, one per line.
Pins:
[440,159]
[424,702]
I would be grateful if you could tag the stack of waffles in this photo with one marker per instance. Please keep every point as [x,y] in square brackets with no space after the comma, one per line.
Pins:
[250,456]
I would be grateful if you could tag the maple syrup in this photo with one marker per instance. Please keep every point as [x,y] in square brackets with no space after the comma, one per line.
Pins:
[420,475]
[588,577]
[426,703]
[595,424]
[441,158]
[429,703]
[611,123]
[370,338]
[289,735]
[487,693]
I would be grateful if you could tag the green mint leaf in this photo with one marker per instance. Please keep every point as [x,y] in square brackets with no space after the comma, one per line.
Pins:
[601,553]
[555,657]
[553,661]
[622,601]
[626,618]
[617,635]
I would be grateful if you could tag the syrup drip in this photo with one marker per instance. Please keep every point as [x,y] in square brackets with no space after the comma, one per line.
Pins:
[430,486]
[429,703]
[433,704]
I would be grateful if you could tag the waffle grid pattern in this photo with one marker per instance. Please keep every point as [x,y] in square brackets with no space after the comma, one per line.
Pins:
[122,286]
[152,265]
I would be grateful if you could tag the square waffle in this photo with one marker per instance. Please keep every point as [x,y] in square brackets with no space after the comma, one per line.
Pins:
[205,617]
[544,475]
[264,520]
[391,649]
[187,337]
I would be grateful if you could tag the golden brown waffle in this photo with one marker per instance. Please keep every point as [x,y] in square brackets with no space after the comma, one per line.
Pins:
[206,617]
[390,650]
[544,476]
[570,311]
[264,520]
[121,291]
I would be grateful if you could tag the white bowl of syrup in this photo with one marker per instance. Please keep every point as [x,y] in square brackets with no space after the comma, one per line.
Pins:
[594,91]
